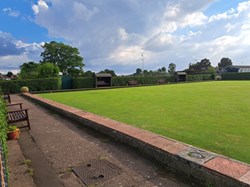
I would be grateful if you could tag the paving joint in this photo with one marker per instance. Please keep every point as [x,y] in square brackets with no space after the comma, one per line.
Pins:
[198,164]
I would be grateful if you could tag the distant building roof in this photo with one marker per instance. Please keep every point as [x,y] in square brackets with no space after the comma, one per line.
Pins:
[181,73]
[241,66]
[236,68]
[103,75]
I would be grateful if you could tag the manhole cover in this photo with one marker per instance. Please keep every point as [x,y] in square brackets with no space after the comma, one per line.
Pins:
[96,171]
[196,155]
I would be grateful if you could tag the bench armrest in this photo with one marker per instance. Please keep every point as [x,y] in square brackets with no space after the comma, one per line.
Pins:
[21,110]
[14,104]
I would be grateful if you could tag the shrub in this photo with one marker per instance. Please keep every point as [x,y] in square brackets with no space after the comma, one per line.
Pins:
[83,82]
[218,78]
[143,80]
[24,89]
[235,76]
[3,132]
[200,77]
[14,86]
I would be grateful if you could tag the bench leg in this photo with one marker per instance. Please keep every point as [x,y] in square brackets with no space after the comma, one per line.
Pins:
[28,121]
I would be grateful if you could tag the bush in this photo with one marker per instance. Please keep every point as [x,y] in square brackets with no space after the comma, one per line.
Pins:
[200,77]
[218,78]
[83,82]
[14,86]
[235,76]
[143,80]
[24,89]
[3,132]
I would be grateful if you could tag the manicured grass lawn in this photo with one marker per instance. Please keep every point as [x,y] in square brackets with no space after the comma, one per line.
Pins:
[210,115]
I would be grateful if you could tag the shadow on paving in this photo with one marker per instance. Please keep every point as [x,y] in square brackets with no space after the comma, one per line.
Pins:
[43,174]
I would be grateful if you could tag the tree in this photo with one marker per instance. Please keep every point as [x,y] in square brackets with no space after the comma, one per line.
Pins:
[199,67]
[138,71]
[29,70]
[9,74]
[171,68]
[161,71]
[112,72]
[224,62]
[46,70]
[88,74]
[205,64]
[66,57]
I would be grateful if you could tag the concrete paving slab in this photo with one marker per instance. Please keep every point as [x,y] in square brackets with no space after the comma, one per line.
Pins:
[196,155]
[246,178]
[20,172]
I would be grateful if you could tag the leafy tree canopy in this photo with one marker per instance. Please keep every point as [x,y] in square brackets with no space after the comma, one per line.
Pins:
[225,62]
[89,74]
[9,74]
[29,70]
[201,66]
[158,72]
[138,71]
[171,68]
[66,57]
[112,72]
[32,70]
[47,70]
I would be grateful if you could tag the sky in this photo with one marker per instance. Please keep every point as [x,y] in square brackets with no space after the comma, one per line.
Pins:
[123,35]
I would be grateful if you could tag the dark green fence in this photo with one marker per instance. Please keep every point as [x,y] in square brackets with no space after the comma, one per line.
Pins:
[66,82]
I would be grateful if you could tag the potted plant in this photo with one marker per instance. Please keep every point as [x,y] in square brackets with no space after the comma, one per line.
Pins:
[13,132]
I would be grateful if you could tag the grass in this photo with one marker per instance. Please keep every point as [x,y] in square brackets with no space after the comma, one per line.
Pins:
[210,115]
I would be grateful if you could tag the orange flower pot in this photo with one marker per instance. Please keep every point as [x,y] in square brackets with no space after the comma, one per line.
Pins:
[13,135]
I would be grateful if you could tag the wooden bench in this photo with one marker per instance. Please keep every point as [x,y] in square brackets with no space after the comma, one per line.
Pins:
[6,97]
[132,82]
[161,81]
[17,116]
[102,83]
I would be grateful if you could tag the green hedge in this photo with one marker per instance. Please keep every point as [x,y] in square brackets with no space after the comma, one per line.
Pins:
[83,82]
[146,80]
[235,76]
[13,86]
[3,132]
[200,77]
[89,82]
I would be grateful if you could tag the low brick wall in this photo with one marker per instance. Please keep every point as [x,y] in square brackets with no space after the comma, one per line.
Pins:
[200,166]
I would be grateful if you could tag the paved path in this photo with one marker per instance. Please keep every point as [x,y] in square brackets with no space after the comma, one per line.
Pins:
[55,144]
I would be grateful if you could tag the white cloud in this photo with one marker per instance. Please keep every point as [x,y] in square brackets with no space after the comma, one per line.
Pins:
[244,6]
[81,9]
[123,34]
[14,53]
[160,42]
[225,15]
[229,27]
[194,19]
[126,55]
[10,12]
[40,6]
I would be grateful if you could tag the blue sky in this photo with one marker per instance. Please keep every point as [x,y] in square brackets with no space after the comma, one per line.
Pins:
[112,34]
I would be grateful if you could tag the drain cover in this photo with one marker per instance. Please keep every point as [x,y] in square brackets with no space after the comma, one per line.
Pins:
[196,155]
[96,171]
